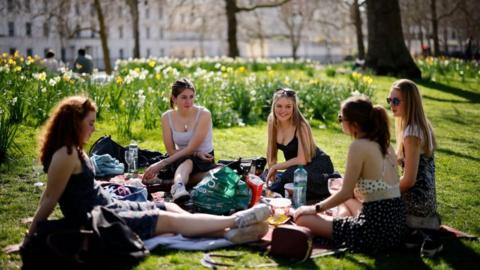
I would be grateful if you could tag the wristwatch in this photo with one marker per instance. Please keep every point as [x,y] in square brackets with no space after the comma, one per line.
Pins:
[318,207]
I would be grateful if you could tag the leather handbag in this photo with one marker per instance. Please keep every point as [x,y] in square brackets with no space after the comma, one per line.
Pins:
[292,242]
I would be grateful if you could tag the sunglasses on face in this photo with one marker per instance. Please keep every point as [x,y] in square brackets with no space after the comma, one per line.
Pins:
[394,101]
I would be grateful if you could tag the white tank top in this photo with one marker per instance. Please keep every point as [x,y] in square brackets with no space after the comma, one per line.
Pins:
[181,139]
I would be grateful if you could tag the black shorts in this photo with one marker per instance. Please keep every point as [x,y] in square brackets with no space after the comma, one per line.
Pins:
[199,165]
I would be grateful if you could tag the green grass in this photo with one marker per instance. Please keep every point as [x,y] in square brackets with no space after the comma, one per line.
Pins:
[452,106]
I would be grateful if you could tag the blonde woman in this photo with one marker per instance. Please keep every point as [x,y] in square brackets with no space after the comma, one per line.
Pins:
[289,132]
[415,150]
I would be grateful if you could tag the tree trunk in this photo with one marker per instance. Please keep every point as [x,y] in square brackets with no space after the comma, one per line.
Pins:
[387,53]
[434,19]
[357,18]
[133,5]
[231,11]
[103,37]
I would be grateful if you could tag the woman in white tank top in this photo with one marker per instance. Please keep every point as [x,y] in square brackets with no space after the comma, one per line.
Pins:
[187,135]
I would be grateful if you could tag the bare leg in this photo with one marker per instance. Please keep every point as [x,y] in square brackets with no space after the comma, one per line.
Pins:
[318,224]
[197,177]
[192,224]
[354,206]
[174,208]
[343,211]
[183,171]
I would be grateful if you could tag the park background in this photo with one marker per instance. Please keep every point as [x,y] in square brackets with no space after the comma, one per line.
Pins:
[133,93]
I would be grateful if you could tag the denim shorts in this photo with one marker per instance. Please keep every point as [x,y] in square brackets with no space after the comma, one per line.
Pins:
[141,217]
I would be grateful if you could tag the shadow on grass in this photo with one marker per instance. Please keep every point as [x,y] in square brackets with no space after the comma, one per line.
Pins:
[472,97]
[444,99]
[453,153]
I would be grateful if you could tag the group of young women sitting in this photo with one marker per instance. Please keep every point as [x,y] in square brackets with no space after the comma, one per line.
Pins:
[376,204]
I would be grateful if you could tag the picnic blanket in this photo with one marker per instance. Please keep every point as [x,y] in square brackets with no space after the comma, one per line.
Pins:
[180,242]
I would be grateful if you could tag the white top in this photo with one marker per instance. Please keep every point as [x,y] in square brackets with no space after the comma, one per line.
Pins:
[367,190]
[181,139]
[415,131]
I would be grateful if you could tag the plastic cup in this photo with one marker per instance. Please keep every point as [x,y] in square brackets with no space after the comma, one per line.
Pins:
[289,188]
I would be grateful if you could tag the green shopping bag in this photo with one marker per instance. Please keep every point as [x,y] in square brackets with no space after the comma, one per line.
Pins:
[221,192]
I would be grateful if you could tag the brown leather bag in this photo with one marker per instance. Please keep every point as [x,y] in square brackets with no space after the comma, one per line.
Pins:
[293,242]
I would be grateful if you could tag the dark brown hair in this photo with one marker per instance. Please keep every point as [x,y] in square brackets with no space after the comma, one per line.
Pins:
[178,87]
[63,127]
[372,120]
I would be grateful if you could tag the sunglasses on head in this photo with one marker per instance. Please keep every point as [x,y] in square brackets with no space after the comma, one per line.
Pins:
[340,118]
[394,101]
[286,92]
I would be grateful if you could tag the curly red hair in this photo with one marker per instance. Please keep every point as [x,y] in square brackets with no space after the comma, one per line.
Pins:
[63,127]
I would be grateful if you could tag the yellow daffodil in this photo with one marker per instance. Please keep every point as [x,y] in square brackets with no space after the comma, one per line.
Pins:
[119,80]
[158,76]
[151,63]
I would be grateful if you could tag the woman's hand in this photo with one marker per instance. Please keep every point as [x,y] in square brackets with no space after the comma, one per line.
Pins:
[153,170]
[304,210]
[272,173]
[204,156]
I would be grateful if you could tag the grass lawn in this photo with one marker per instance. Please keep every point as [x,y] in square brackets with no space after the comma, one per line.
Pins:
[452,106]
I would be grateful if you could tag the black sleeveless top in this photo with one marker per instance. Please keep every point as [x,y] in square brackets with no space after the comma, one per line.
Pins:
[81,194]
[291,149]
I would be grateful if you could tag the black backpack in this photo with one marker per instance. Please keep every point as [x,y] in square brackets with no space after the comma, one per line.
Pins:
[103,241]
[105,145]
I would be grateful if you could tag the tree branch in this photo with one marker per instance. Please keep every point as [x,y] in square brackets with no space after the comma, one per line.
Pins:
[240,9]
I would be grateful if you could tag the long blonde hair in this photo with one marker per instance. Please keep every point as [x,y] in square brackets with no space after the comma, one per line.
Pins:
[298,120]
[414,116]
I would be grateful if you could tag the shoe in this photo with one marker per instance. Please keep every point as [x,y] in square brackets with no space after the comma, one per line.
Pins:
[430,247]
[414,239]
[258,213]
[247,234]
[179,193]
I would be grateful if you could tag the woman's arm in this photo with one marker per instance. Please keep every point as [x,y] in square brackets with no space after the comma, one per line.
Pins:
[167,135]
[411,146]
[352,174]
[60,170]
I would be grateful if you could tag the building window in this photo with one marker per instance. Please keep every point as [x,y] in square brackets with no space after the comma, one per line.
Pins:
[162,52]
[78,31]
[120,11]
[454,35]
[29,52]
[12,51]
[27,5]
[10,5]
[148,52]
[120,32]
[77,9]
[147,13]
[45,6]
[160,36]
[160,13]
[63,53]
[11,29]
[28,29]
[46,29]
[92,10]
[120,53]
[147,32]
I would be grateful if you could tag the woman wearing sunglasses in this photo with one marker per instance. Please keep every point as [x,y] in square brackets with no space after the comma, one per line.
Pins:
[415,150]
[371,177]
[290,132]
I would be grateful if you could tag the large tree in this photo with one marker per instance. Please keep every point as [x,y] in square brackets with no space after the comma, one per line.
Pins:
[231,10]
[134,14]
[103,36]
[387,52]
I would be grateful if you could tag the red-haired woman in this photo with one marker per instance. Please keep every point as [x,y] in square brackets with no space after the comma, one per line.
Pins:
[71,184]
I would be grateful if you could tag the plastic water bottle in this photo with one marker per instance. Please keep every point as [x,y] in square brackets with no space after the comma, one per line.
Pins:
[133,149]
[300,187]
